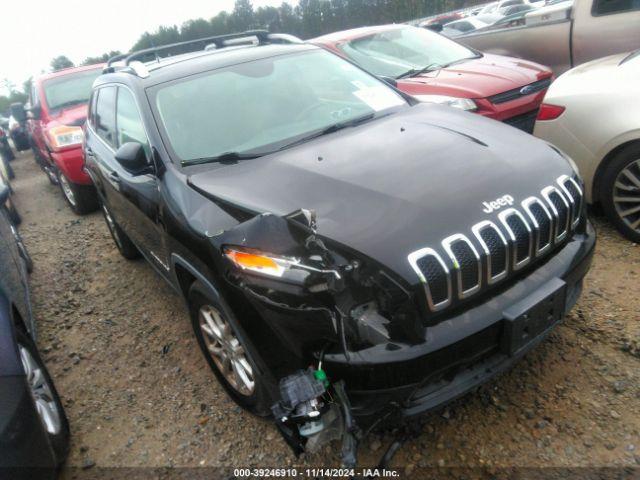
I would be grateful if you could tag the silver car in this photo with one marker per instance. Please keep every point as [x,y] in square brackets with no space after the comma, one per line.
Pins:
[592,113]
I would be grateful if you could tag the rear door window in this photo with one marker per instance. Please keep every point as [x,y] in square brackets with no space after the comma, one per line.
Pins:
[91,117]
[105,116]
[608,7]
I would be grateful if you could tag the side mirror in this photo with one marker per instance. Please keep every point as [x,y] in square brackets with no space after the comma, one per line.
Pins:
[132,157]
[435,27]
[35,112]
[390,80]
[18,112]
[4,193]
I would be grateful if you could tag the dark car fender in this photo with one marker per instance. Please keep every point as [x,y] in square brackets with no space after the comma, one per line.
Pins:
[211,289]
[9,358]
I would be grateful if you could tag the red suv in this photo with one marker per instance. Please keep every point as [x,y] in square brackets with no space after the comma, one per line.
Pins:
[56,117]
[434,68]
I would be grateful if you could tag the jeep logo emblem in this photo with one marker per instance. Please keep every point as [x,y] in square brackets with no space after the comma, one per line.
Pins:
[497,203]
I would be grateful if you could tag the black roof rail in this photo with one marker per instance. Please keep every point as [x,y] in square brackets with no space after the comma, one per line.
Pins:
[263,36]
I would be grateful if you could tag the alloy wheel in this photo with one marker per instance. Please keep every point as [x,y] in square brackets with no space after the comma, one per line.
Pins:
[225,350]
[66,189]
[41,392]
[626,195]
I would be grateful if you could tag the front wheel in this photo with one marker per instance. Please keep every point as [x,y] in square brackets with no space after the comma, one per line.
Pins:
[81,198]
[621,192]
[46,399]
[229,354]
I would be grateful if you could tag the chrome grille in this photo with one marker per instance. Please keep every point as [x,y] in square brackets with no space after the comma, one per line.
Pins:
[519,237]
[496,250]
[519,233]
[560,209]
[466,262]
[573,192]
[542,223]
[519,92]
[434,275]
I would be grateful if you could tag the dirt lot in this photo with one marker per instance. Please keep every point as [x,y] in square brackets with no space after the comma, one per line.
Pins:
[138,393]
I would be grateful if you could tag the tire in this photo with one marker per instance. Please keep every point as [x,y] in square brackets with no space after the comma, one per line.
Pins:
[123,243]
[256,400]
[14,216]
[6,151]
[24,253]
[45,166]
[10,173]
[51,175]
[621,179]
[57,428]
[82,199]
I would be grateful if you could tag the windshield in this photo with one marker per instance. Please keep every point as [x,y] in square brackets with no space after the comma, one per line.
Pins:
[69,90]
[259,106]
[392,53]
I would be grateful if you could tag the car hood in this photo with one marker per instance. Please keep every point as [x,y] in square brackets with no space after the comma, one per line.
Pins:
[476,78]
[74,116]
[396,184]
[597,78]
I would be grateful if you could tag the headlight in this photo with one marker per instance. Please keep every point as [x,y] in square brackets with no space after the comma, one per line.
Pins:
[260,263]
[65,136]
[273,265]
[456,102]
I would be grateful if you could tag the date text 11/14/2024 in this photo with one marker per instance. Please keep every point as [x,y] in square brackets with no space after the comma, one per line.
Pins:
[315,473]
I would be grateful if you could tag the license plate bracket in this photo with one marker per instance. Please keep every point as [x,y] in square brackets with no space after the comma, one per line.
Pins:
[530,317]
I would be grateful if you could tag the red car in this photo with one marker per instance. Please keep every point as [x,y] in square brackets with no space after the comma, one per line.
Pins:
[434,68]
[56,116]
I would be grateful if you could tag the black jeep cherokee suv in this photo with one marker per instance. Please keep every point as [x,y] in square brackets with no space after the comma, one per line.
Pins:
[347,253]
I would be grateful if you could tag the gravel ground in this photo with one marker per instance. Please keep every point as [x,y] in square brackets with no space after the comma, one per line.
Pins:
[138,392]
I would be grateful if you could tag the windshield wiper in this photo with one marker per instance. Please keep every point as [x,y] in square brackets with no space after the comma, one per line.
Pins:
[417,71]
[226,157]
[455,62]
[330,129]
[233,157]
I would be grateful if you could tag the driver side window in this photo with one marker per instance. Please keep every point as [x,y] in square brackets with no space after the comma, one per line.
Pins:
[129,126]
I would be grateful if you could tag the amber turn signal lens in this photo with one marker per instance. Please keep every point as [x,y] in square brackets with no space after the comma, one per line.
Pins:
[250,260]
[255,262]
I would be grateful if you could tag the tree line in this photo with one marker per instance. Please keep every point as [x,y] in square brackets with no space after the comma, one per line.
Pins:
[306,19]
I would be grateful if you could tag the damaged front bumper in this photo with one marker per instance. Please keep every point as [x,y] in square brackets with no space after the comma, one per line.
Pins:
[348,318]
[464,350]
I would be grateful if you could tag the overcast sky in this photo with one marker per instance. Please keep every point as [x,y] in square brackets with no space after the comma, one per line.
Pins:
[35,31]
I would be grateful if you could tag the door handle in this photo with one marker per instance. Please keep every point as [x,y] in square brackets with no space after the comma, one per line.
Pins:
[89,152]
[114,177]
